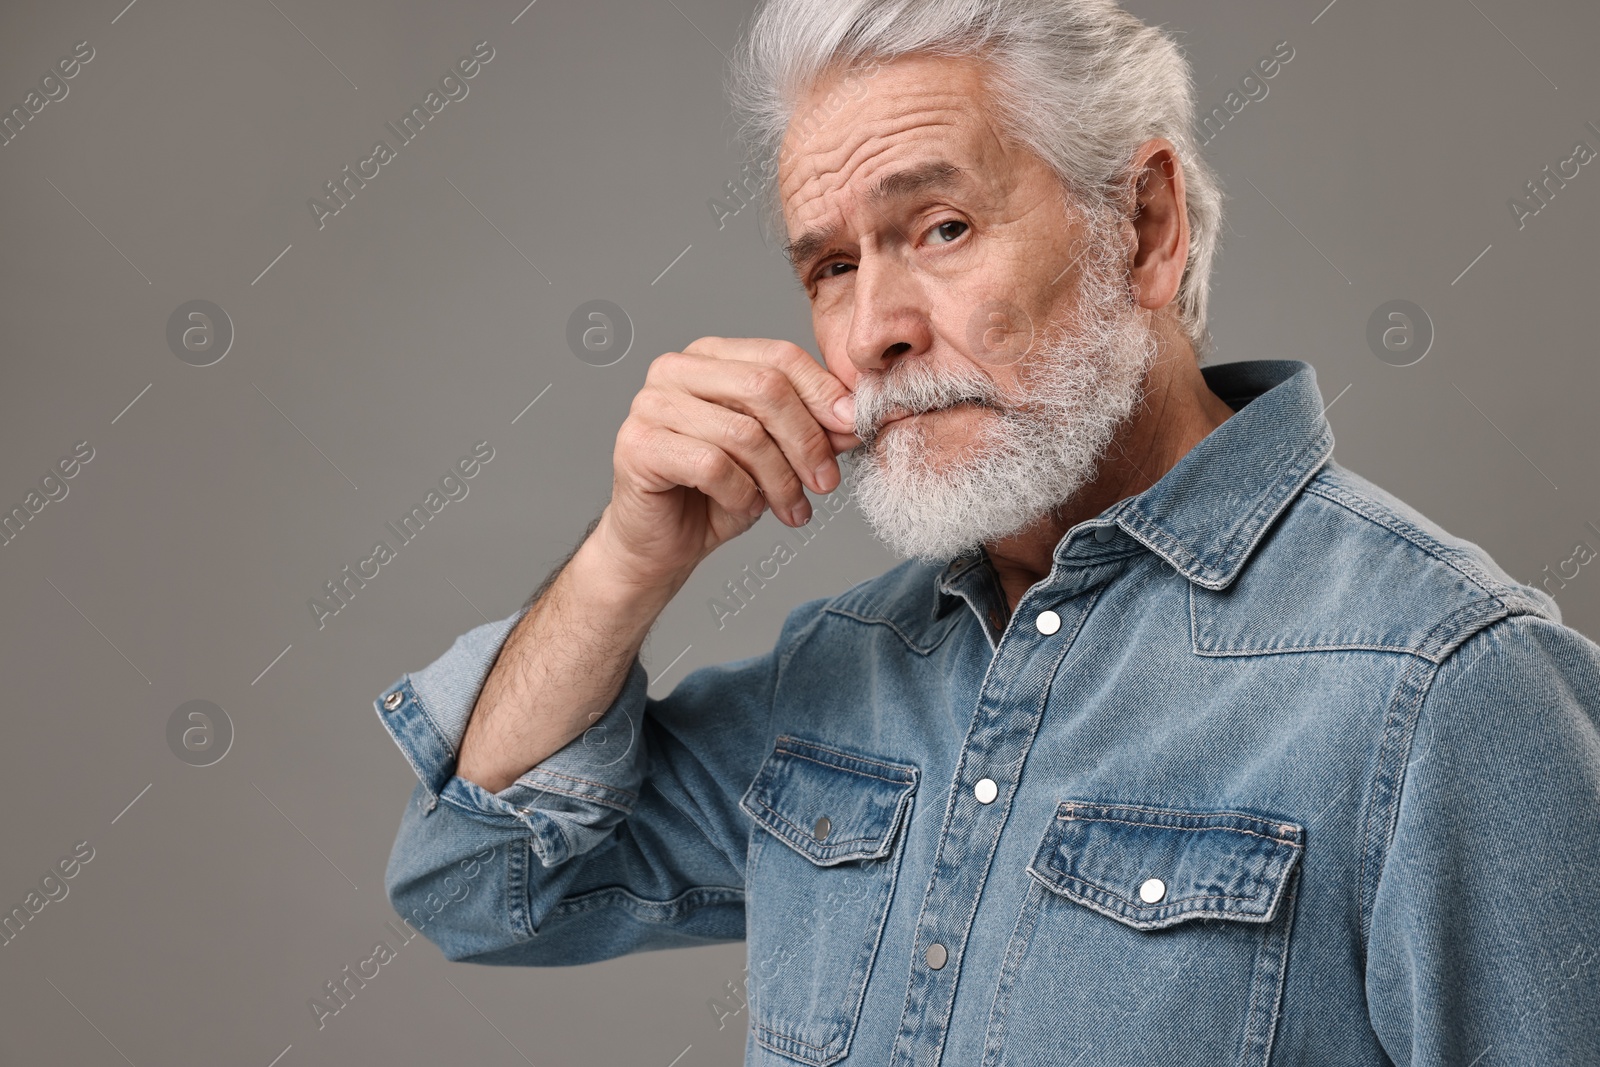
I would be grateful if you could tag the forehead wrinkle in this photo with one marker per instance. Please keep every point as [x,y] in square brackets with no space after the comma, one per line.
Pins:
[934,174]
[811,242]
[875,139]
[918,92]
[931,175]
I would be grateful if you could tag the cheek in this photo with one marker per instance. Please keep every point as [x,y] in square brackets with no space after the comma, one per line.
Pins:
[832,334]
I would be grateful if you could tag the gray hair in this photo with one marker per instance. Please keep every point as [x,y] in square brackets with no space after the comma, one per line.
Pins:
[1080,83]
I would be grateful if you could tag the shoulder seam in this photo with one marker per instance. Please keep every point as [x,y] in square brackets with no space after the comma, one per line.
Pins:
[1385,786]
[1506,595]
[1419,680]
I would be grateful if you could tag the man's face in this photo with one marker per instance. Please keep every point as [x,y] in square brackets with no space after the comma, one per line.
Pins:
[987,330]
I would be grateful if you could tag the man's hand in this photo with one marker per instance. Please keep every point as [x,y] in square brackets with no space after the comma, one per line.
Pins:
[720,432]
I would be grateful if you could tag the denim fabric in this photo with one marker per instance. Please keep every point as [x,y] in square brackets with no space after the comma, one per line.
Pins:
[1281,773]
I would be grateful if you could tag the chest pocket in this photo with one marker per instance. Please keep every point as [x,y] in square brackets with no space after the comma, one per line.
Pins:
[1150,928]
[820,874]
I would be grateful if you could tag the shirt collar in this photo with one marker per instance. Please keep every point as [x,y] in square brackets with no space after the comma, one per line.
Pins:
[1206,515]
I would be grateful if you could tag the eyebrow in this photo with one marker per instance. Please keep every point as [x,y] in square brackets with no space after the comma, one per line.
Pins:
[932,176]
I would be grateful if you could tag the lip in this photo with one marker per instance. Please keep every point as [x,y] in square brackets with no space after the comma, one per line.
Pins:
[896,419]
[899,414]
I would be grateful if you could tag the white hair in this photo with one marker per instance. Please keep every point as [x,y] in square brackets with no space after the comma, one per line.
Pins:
[1080,83]
[1037,446]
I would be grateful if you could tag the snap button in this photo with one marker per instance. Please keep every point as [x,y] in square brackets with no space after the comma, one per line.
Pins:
[1153,891]
[393,700]
[936,955]
[1104,533]
[820,830]
[985,790]
[1048,622]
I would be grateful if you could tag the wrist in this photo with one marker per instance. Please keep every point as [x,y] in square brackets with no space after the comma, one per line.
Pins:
[607,564]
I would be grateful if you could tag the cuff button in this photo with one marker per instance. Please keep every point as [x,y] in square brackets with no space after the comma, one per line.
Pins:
[393,700]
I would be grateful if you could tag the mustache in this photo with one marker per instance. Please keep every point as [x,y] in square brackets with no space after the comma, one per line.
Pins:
[914,389]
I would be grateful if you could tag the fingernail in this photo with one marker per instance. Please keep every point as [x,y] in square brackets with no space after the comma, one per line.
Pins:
[801,513]
[844,409]
[825,479]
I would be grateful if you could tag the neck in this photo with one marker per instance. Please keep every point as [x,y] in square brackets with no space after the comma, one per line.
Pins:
[1177,413]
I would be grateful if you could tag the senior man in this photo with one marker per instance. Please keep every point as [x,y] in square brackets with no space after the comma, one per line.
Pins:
[1172,742]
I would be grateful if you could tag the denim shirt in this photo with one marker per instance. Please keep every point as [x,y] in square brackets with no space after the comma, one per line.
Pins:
[1269,769]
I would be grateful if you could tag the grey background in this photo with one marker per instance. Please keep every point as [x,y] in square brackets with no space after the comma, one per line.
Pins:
[377,350]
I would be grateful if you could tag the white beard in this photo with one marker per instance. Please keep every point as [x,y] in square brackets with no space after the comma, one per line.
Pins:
[1034,450]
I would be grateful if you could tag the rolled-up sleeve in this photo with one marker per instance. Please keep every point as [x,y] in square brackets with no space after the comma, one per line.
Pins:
[1485,936]
[629,838]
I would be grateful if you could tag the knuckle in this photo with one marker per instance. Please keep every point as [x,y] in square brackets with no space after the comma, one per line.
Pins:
[631,436]
[790,485]
[816,446]
[708,465]
[662,365]
[646,410]
[767,384]
[785,354]
[744,431]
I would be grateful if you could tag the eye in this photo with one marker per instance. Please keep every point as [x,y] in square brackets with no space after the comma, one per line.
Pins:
[833,270]
[944,230]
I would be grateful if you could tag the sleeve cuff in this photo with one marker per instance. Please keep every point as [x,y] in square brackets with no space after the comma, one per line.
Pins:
[426,712]
[570,801]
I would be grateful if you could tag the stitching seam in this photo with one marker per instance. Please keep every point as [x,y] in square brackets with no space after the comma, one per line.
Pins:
[1186,829]
[849,770]
[1093,887]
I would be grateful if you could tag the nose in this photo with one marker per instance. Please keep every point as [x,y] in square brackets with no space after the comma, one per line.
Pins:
[889,317]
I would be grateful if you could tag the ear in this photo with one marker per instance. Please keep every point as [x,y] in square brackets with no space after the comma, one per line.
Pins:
[1161,225]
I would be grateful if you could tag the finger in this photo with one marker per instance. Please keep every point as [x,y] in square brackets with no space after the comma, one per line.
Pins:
[816,386]
[743,437]
[842,442]
[763,392]
[663,459]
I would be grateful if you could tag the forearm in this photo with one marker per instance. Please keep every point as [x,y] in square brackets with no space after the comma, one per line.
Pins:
[560,668]
[683,484]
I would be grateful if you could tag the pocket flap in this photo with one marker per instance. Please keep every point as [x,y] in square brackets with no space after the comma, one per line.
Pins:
[828,804]
[1153,867]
